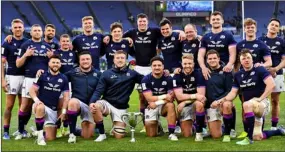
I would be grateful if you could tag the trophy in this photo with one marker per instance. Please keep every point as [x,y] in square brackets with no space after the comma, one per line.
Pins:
[131,119]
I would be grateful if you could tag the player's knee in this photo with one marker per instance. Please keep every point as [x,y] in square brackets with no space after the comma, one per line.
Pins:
[9,108]
[227,106]
[246,106]
[170,106]
[40,108]
[72,103]
[199,107]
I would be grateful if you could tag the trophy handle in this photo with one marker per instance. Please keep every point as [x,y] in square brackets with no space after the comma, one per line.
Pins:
[124,118]
[139,114]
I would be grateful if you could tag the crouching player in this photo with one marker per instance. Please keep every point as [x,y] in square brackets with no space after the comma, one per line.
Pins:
[189,90]
[255,85]
[157,89]
[46,92]
[115,85]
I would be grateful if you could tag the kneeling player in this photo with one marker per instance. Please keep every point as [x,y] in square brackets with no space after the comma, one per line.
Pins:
[257,83]
[46,92]
[189,89]
[157,90]
[116,86]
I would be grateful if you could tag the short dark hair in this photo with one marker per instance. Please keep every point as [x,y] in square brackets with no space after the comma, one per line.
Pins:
[215,13]
[164,21]
[142,15]
[244,52]
[64,36]
[275,19]
[84,53]
[116,25]
[50,25]
[55,56]
[156,58]
[212,51]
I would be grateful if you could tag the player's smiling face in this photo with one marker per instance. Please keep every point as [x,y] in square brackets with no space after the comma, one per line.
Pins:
[273,27]
[250,30]
[54,65]
[49,33]
[117,33]
[216,21]
[18,29]
[187,65]
[190,32]
[142,24]
[85,61]
[157,67]
[246,61]
[166,30]
[213,61]
[120,60]
[36,33]
[64,43]
[88,25]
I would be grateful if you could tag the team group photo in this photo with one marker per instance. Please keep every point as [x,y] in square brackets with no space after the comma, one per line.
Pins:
[142,76]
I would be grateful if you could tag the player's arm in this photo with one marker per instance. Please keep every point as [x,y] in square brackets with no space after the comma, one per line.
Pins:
[100,88]
[268,61]
[269,82]
[4,83]
[34,90]
[66,95]
[23,55]
[231,95]
[182,35]
[232,58]
[201,57]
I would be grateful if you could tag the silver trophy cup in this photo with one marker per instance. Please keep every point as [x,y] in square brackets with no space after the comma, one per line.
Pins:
[132,119]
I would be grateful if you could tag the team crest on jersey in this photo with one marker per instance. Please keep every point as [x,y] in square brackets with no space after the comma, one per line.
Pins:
[148,33]
[59,80]
[60,54]
[31,46]
[164,83]
[255,45]
[123,46]
[252,73]
[128,74]
[95,38]
[43,46]
[52,46]
[15,44]
[14,90]
[113,76]
[95,74]
[221,72]
[194,45]
[48,78]
[70,54]
[192,79]
[111,45]
[243,45]
[83,39]
[184,80]
[222,37]
[152,83]
[172,38]
[210,37]
[242,75]
[277,43]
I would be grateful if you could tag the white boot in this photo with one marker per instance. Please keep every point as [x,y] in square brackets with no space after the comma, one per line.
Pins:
[72,138]
[100,138]
[41,139]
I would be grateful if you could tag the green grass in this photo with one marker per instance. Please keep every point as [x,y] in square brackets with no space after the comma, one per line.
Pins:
[145,143]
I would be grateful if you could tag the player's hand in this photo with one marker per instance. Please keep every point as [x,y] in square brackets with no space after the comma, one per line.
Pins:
[93,108]
[182,36]
[8,38]
[258,64]
[228,68]
[106,40]
[4,85]
[38,103]
[39,73]
[177,71]
[273,72]
[49,53]
[131,42]
[62,117]
[29,52]
[180,107]
[215,104]
[206,73]
[151,105]
[166,72]
[200,98]
[199,37]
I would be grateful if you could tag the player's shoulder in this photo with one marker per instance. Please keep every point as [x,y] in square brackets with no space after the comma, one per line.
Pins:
[241,42]
[147,77]
[260,69]
[226,33]
[77,37]
[27,42]
[46,44]
[239,73]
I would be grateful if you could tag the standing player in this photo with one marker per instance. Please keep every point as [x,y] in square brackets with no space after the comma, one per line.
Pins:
[46,92]
[157,89]
[277,48]
[219,40]
[116,43]
[189,90]
[68,62]
[89,41]
[33,56]
[218,86]
[84,80]
[12,78]
[192,43]
[170,46]
[49,36]
[115,86]
[252,82]
[260,53]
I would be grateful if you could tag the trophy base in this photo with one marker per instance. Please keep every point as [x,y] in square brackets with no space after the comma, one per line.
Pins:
[133,140]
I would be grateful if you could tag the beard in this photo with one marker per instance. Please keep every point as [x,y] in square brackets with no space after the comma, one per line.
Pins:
[50,37]
[54,69]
